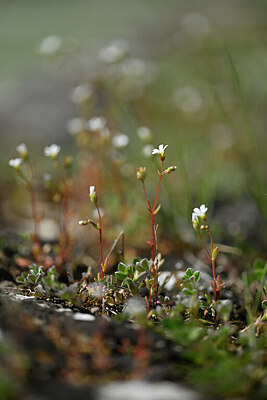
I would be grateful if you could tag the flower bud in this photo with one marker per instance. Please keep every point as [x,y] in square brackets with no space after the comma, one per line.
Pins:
[141,173]
[169,169]
[215,253]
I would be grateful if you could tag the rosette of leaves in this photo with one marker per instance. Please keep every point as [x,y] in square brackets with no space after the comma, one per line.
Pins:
[42,281]
[50,281]
[190,279]
[134,276]
[33,277]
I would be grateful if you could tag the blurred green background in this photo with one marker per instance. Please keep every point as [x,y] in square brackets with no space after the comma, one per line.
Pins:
[207,98]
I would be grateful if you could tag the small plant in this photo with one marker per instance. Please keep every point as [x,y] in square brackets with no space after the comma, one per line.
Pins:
[98,226]
[153,209]
[41,281]
[199,220]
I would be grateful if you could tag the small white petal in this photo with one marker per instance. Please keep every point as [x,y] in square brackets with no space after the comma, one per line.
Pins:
[91,190]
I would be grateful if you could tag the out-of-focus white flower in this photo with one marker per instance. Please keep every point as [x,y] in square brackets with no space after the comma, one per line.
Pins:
[134,307]
[188,99]
[75,125]
[81,93]
[22,150]
[120,140]
[138,71]
[199,212]
[144,134]
[96,124]
[114,51]
[15,163]
[52,151]
[147,150]
[160,151]
[50,45]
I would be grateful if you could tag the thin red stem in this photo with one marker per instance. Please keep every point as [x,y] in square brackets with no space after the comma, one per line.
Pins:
[100,241]
[217,293]
[205,248]
[146,197]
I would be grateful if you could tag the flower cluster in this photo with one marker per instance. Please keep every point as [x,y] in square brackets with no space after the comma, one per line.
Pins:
[199,216]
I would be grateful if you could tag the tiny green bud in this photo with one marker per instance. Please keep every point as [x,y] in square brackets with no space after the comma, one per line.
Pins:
[215,253]
[141,173]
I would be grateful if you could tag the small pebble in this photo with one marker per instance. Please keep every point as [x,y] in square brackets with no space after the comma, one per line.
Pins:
[83,317]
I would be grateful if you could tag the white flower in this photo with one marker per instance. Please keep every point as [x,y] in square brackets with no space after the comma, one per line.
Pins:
[50,45]
[81,93]
[91,190]
[114,52]
[160,151]
[96,124]
[92,194]
[52,151]
[22,150]
[75,125]
[147,150]
[15,163]
[120,140]
[144,134]
[200,212]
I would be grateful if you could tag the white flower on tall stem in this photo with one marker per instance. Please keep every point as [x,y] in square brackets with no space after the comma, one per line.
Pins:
[92,194]
[52,151]
[200,212]
[160,151]
[15,163]
[22,150]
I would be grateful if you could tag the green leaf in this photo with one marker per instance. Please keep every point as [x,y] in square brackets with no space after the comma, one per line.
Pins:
[187,292]
[122,267]
[189,272]
[121,275]
[197,276]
